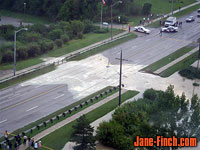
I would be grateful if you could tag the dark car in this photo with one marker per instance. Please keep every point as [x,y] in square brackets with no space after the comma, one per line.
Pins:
[198,15]
[198,10]
[190,19]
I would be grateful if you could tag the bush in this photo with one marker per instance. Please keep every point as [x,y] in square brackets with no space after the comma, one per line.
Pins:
[7,31]
[22,52]
[123,19]
[77,27]
[89,27]
[190,73]
[58,42]
[33,50]
[39,28]
[150,94]
[55,34]
[7,57]
[65,38]
[32,36]
[103,30]
[146,9]
[46,45]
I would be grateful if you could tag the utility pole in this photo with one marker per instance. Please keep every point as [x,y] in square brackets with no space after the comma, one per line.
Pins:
[120,76]
[172,7]
[101,16]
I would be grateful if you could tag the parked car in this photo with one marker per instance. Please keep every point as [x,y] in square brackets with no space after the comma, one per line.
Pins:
[169,29]
[171,21]
[142,29]
[198,10]
[198,15]
[190,19]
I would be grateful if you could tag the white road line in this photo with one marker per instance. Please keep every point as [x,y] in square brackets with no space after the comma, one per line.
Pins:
[3,121]
[32,108]
[59,96]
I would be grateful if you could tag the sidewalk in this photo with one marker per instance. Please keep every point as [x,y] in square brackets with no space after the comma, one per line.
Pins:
[70,119]
[176,61]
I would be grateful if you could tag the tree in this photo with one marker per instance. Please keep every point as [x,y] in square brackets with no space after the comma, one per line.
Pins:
[58,42]
[146,8]
[55,34]
[83,135]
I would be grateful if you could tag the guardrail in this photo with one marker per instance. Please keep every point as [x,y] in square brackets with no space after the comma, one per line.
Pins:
[61,61]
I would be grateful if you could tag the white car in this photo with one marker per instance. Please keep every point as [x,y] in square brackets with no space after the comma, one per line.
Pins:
[105,23]
[169,29]
[190,19]
[142,29]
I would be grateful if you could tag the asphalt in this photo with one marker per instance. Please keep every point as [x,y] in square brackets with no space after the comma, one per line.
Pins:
[36,98]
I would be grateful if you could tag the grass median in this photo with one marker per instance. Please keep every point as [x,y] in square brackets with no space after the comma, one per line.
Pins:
[36,131]
[104,47]
[168,59]
[57,139]
[180,65]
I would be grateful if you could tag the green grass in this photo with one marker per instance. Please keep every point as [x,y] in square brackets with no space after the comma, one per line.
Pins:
[26,77]
[57,139]
[180,65]
[103,48]
[178,15]
[73,45]
[166,60]
[26,17]
[35,131]
[21,64]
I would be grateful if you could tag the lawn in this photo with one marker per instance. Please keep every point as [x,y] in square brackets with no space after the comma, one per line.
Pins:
[26,17]
[57,139]
[178,15]
[73,45]
[185,63]
[166,60]
[103,48]
[159,7]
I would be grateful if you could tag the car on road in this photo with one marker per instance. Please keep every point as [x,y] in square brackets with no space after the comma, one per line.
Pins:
[198,15]
[105,23]
[198,10]
[190,19]
[171,21]
[142,29]
[169,29]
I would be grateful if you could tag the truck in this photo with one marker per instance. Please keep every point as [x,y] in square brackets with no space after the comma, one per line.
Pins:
[171,21]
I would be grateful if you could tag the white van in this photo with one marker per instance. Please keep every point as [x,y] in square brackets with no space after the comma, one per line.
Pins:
[171,21]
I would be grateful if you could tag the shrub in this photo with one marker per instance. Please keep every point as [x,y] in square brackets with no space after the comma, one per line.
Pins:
[103,30]
[33,50]
[32,36]
[123,19]
[7,57]
[190,73]
[55,34]
[150,94]
[22,52]
[7,31]
[39,28]
[146,8]
[77,27]
[89,27]
[46,45]
[65,38]
[58,42]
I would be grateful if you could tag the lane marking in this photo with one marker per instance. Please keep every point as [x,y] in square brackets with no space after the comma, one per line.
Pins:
[3,121]
[59,96]
[32,108]
[29,99]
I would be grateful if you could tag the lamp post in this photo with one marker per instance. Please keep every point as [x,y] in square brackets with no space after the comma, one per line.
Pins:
[24,11]
[111,15]
[15,33]
[172,7]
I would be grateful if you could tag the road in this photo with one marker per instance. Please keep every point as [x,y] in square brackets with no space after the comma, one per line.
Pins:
[36,98]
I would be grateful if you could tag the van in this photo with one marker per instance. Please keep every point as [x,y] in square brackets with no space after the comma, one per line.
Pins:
[171,21]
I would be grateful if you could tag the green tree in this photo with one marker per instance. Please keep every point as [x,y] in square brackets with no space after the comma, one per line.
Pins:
[58,42]
[146,8]
[83,135]
[55,34]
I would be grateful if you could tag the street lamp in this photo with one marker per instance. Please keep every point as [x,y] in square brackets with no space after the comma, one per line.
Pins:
[172,7]
[111,15]
[15,47]
[24,11]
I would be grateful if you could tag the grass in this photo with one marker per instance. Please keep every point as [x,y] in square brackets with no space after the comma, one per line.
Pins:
[57,139]
[71,46]
[180,65]
[27,77]
[178,15]
[166,60]
[103,48]
[35,131]
[26,17]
